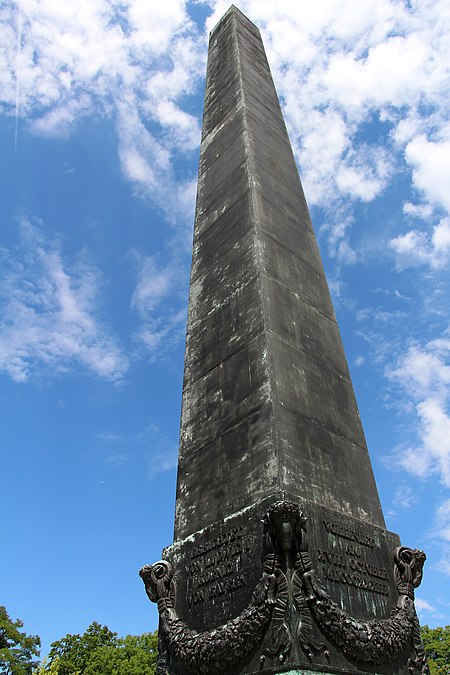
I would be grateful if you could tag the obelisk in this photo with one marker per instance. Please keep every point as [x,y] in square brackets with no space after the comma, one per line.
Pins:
[281,561]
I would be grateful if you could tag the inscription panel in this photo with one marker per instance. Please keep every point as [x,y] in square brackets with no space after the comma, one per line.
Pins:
[216,566]
[354,563]
[217,569]
[349,565]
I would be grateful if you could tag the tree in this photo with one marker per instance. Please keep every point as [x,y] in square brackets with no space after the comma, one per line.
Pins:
[134,655]
[100,652]
[17,649]
[74,651]
[437,647]
[46,668]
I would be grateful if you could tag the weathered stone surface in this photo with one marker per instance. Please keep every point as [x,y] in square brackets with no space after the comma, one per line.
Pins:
[281,562]
[263,350]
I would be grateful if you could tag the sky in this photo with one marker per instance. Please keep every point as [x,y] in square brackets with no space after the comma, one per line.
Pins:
[100,118]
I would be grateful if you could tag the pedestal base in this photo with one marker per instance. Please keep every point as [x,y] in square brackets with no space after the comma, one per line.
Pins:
[287,583]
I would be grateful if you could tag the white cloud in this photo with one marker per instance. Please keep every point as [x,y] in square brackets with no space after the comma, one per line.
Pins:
[146,162]
[430,161]
[109,437]
[422,211]
[423,373]
[57,122]
[117,460]
[153,23]
[50,314]
[132,62]
[164,460]
[364,173]
[425,608]
[161,326]
[435,435]
[134,449]
[404,497]
[441,236]
[443,520]
[338,243]
[154,283]
[441,532]
[337,64]
[353,79]
[320,140]
[444,565]
[423,605]
[160,332]
[419,248]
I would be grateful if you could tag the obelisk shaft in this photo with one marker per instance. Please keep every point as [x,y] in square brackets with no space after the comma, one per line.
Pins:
[268,403]
[281,562]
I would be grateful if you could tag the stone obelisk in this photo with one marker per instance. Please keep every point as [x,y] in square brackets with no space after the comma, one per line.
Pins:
[281,561]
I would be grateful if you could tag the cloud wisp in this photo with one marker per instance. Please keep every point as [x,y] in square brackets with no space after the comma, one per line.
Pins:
[417,248]
[160,325]
[133,62]
[423,373]
[50,314]
[134,448]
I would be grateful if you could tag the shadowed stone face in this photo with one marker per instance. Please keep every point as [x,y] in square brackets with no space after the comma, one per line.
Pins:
[268,402]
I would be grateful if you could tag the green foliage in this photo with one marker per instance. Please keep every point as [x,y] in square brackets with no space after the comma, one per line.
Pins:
[134,655]
[437,647]
[100,652]
[17,649]
[46,668]
[73,652]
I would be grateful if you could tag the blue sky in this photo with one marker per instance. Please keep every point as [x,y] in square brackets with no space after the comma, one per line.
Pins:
[99,126]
